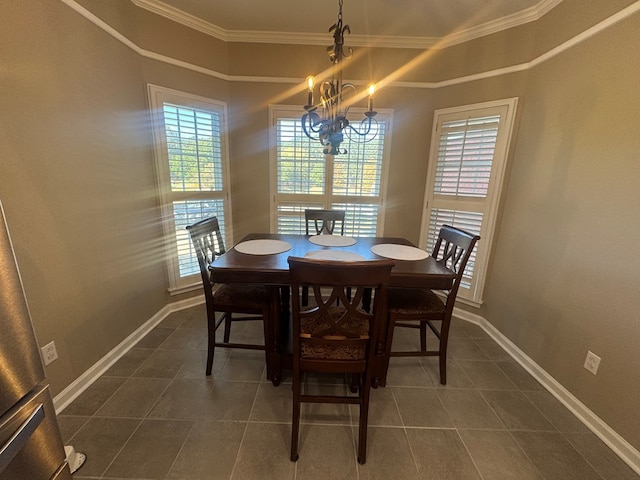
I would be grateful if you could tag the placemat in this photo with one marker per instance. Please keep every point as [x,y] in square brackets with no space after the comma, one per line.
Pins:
[338,255]
[263,247]
[399,252]
[332,240]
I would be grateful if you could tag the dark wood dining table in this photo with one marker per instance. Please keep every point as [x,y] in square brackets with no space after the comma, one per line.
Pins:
[273,270]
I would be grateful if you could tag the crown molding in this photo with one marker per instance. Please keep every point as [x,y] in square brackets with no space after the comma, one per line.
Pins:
[183,18]
[386,41]
[632,9]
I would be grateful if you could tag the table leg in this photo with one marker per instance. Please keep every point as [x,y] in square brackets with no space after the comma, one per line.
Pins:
[272,342]
[380,367]
[366,299]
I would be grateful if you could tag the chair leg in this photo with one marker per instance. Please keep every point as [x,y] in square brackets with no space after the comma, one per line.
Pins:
[364,416]
[423,336]
[444,337]
[295,423]
[382,381]
[443,369]
[227,327]
[355,383]
[211,348]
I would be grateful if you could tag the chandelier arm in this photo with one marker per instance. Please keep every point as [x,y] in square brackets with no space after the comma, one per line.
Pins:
[368,125]
[309,122]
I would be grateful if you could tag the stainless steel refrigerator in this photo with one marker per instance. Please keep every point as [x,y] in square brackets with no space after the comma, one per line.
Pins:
[31,447]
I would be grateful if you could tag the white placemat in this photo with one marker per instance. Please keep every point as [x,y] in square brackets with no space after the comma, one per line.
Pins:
[399,252]
[263,246]
[332,240]
[338,255]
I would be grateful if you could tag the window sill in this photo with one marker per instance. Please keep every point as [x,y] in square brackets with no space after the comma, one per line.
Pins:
[471,303]
[185,289]
[464,301]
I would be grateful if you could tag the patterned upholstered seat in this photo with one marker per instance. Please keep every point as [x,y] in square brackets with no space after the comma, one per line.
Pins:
[415,300]
[323,336]
[248,295]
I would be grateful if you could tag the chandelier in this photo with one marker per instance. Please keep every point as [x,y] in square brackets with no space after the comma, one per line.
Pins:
[336,97]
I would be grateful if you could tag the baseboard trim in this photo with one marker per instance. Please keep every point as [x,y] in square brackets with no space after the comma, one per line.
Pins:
[610,437]
[84,381]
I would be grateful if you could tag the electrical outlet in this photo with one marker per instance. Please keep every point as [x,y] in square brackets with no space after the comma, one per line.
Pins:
[49,353]
[592,362]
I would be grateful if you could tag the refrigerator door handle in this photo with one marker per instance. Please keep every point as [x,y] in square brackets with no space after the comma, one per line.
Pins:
[10,449]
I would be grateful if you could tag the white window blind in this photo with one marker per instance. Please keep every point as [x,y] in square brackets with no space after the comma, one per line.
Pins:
[191,158]
[466,169]
[465,156]
[194,148]
[303,177]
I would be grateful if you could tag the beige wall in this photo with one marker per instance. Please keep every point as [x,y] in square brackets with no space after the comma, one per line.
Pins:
[77,182]
[565,276]
[556,286]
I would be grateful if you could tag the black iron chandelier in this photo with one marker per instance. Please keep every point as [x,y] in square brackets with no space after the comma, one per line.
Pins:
[336,98]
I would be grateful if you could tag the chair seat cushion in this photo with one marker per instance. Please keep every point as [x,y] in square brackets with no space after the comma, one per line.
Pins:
[320,339]
[240,295]
[411,301]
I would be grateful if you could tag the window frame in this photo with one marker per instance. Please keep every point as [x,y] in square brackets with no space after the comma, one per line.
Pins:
[157,96]
[488,205]
[328,198]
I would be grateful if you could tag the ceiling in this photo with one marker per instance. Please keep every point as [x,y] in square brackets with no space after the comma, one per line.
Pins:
[414,23]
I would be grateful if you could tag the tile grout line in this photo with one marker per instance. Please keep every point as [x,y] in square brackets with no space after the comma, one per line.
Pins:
[244,434]
[466,449]
[404,430]
[184,442]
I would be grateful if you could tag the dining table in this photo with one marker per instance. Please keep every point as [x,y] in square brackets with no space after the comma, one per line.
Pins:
[261,258]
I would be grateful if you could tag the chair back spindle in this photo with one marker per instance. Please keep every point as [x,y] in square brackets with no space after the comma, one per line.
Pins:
[325,222]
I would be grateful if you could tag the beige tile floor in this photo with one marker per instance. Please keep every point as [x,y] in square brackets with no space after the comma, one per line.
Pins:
[154,415]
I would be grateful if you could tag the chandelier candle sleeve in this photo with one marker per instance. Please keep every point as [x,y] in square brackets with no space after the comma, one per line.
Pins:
[310,84]
[371,89]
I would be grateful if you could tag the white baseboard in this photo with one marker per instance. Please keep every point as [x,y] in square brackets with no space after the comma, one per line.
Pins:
[69,394]
[610,437]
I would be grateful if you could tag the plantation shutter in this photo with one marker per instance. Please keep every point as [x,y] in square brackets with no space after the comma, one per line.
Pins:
[305,178]
[194,148]
[468,154]
[191,156]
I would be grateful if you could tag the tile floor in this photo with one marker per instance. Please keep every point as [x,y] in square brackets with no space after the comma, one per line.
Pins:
[154,415]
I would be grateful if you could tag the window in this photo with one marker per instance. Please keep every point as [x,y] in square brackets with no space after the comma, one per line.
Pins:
[466,169]
[303,177]
[191,158]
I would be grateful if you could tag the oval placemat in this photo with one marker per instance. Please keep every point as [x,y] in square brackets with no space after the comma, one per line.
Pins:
[332,240]
[399,252]
[337,255]
[263,246]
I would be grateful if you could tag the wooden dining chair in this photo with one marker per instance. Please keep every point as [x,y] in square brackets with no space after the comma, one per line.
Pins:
[422,308]
[252,302]
[336,335]
[324,222]
[321,222]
